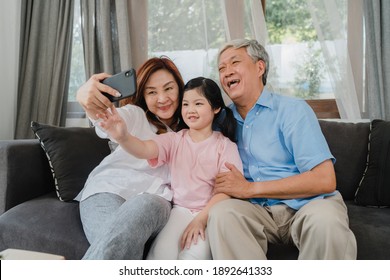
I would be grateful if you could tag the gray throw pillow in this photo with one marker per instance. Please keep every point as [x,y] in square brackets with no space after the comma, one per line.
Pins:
[348,143]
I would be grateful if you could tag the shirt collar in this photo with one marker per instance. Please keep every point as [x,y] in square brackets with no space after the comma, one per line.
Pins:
[265,100]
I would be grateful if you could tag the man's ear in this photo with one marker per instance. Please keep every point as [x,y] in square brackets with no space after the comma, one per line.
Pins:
[260,67]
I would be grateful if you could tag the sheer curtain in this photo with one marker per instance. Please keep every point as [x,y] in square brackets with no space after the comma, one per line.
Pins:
[332,32]
[245,19]
[114,35]
[361,86]
[233,17]
[45,49]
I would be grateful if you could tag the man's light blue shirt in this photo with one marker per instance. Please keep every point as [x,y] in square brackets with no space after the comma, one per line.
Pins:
[280,137]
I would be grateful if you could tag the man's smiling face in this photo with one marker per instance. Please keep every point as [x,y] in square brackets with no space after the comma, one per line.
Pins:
[239,74]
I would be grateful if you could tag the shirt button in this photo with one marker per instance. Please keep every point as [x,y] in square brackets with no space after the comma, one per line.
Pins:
[247,126]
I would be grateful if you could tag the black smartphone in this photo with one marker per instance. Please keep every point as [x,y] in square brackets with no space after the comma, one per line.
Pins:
[124,82]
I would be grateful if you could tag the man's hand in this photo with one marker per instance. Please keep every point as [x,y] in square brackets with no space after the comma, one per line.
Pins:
[232,183]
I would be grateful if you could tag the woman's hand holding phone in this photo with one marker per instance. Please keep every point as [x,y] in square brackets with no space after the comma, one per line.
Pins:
[90,96]
[124,82]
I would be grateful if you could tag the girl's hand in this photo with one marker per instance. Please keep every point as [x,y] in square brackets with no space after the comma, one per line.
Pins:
[192,232]
[113,124]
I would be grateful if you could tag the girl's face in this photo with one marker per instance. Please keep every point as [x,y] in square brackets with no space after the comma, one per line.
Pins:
[196,111]
[162,95]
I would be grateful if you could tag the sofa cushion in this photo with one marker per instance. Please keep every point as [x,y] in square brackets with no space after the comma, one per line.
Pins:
[348,144]
[371,228]
[374,188]
[72,153]
[46,225]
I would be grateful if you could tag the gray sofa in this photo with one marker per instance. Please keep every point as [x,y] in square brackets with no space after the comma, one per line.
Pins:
[34,218]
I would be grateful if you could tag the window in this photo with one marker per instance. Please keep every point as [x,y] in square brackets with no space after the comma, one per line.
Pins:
[191,32]
[297,50]
[77,70]
[75,113]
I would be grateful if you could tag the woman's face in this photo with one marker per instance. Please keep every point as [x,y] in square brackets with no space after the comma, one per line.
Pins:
[162,95]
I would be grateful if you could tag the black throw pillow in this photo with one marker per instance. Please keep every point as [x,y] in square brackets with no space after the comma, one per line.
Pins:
[374,188]
[72,153]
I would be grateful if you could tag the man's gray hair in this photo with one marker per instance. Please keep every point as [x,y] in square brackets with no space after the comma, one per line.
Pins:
[254,49]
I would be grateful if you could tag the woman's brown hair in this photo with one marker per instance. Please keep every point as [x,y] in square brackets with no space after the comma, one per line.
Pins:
[143,74]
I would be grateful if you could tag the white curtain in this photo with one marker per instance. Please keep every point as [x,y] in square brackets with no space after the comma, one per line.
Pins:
[233,17]
[334,44]
[332,33]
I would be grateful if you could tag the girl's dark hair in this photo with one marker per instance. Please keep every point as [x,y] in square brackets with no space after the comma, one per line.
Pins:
[224,120]
[151,66]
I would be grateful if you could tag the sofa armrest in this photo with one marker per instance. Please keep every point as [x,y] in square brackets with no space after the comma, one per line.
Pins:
[24,172]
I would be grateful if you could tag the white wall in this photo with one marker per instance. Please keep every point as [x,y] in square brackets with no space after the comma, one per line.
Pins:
[9,53]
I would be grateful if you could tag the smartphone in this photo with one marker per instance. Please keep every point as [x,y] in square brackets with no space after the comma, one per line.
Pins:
[124,82]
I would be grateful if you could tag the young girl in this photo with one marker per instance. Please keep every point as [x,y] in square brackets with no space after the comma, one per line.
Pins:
[195,155]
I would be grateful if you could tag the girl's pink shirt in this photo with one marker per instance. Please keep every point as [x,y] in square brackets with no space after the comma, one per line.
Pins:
[194,165]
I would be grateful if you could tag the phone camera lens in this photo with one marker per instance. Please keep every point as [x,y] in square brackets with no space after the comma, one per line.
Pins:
[127,74]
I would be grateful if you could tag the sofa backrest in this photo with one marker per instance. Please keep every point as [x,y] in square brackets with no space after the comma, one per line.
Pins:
[348,143]
[24,172]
